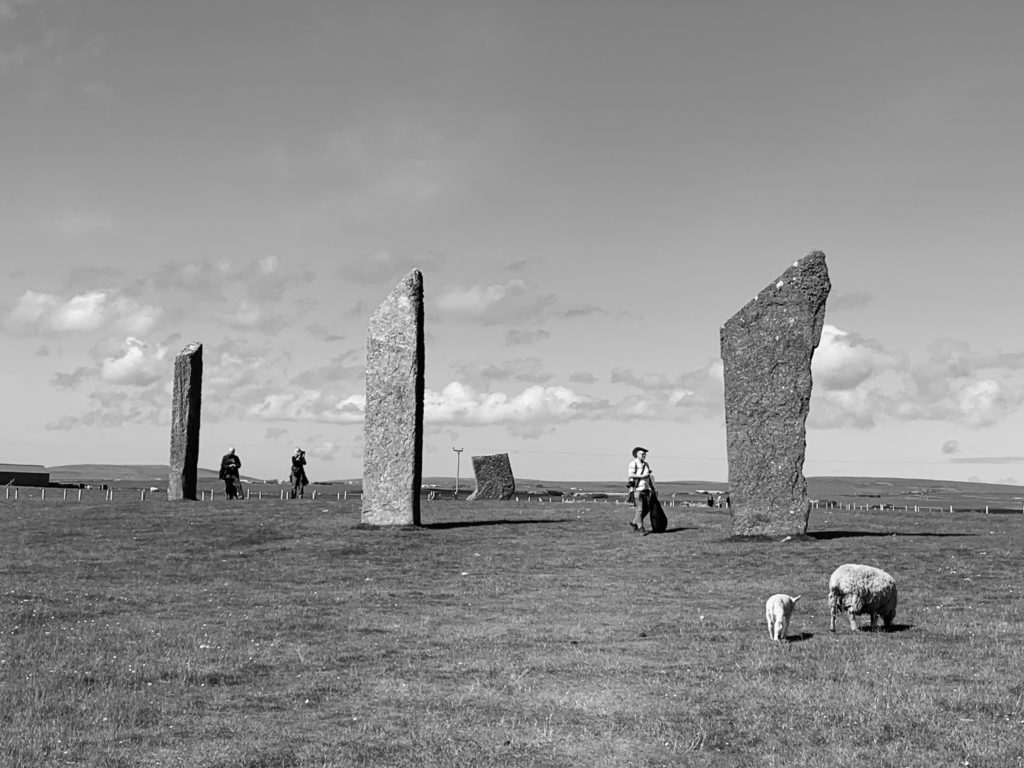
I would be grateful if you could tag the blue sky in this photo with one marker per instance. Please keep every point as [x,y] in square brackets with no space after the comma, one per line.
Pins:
[591,189]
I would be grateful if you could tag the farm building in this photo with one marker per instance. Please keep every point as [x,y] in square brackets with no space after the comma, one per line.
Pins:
[24,474]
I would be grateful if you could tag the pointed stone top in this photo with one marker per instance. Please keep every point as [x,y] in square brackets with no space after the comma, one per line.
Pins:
[192,348]
[805,280]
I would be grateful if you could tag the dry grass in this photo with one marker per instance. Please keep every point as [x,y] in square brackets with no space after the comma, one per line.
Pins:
[281,634]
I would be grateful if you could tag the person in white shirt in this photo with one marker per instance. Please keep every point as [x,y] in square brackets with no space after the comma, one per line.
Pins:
[640,473]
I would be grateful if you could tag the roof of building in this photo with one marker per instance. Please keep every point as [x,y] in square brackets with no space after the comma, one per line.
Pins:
[34,468]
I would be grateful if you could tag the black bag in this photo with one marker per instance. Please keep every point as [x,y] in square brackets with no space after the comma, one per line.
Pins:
[659,521]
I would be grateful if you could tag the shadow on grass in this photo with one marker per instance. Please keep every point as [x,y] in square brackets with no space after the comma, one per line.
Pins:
[801,637]
[866,629]
[476,523]
[828,535]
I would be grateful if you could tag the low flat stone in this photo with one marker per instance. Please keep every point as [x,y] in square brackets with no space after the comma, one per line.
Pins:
[766,352]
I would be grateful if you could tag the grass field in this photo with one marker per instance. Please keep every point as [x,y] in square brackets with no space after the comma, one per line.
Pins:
[279,634]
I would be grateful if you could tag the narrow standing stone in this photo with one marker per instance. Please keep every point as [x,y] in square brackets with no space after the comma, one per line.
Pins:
[494,480]
[393,433]
[766,350]
[185,407]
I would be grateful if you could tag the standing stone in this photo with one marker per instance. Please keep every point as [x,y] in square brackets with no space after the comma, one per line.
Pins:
[766,350]
[393,436]
[494,480]
[188,389]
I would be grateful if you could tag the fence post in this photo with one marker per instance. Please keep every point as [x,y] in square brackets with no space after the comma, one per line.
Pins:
[142,496]
[65,494]
[247,492]
[42,494]
[79,494]
[313,497]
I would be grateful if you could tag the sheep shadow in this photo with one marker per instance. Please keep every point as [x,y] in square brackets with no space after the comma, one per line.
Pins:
[800,638]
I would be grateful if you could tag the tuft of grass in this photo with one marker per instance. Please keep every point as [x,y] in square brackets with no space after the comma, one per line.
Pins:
[496,634]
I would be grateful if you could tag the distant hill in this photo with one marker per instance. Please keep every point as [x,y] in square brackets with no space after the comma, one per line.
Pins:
[75,473]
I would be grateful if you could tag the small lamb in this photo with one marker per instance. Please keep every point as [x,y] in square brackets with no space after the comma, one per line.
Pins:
[778,610]
[859,589]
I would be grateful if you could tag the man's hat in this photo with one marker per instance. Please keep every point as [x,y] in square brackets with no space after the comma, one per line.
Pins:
[637,450]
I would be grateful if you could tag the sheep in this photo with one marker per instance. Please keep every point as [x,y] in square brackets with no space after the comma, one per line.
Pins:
[859,589]
[778,610]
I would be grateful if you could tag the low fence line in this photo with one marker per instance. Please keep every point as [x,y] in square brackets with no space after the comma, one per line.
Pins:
[15,493]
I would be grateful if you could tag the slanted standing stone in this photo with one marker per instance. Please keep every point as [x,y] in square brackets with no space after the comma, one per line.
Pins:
[766,350]
[393,433]
[494,480]
[185,406]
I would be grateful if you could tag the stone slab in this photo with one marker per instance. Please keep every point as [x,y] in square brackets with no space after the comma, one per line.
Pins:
[767,349]
[393,431]
[494,479]
[186,404]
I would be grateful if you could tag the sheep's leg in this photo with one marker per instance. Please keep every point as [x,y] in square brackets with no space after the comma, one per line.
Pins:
[874,622]
[832,621]
[853,621]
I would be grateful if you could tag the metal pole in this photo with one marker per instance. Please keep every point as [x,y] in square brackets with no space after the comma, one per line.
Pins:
[458,462]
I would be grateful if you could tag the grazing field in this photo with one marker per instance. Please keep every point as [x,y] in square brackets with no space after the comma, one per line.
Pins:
[280,634]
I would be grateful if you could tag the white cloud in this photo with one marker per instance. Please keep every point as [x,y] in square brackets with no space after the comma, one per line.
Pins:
[137,363]
[458,403]
[981,403]
[844,361]
[513,301]
[310,405]
[268,265]
[83,312]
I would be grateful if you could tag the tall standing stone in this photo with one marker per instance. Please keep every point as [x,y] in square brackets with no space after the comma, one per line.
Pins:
[393,433]
[494,480]
[766,351]
[185,406]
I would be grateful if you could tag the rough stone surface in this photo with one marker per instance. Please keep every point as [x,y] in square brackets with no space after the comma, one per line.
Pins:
[393,433]
[494,480]
[766,350]
[185,407]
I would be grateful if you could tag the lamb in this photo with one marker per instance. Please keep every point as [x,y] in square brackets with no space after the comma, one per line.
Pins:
[777,612]
[859,589]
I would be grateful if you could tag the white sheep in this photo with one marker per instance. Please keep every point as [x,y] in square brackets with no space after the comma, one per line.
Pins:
[778,610]
[859,589]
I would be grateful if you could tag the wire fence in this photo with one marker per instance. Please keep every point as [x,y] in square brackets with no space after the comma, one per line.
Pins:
[95,494]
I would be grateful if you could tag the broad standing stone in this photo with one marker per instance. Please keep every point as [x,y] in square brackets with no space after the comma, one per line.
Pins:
[393,437]
[494,480]
[188,389]
[766,351]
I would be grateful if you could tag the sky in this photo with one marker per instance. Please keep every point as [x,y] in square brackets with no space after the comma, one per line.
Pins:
[590,189]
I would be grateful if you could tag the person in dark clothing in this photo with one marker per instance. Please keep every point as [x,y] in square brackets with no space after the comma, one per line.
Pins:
[298,474]
[229,468]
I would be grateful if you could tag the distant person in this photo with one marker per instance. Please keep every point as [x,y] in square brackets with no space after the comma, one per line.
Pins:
[229,468]
[298,474]
[640,472]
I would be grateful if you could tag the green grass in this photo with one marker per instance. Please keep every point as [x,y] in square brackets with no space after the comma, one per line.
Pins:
[280,634]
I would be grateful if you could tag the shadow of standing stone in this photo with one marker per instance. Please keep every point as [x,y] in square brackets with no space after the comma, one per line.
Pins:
[494,480]
[766,350]
[393,432]
[185,408]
